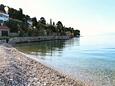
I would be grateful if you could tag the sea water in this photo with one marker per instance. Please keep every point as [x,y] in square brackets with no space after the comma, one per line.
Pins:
[90,59]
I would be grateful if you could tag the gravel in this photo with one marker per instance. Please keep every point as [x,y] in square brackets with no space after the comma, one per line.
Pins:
[17,69]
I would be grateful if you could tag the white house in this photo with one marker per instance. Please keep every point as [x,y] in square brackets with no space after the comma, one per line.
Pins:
[4,30]
[3,17]
[30,23]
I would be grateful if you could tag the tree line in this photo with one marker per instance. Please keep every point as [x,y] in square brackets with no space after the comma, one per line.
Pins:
[19,22]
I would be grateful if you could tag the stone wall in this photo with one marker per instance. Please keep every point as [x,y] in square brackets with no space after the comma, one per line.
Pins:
[36,39]
[2,41]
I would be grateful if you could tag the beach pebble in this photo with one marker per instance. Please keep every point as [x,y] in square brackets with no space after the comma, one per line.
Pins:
[19,70]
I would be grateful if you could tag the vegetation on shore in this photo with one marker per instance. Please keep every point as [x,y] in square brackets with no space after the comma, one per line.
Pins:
[24,25]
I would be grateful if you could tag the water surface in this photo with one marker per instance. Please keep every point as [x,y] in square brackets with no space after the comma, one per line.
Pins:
[89,58]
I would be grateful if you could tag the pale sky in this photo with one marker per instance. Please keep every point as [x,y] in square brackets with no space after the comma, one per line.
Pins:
[89,16]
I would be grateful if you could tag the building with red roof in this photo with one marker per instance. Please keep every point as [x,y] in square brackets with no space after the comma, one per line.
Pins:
[4,31]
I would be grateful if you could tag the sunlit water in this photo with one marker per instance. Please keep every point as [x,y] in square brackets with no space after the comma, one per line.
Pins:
[89,58]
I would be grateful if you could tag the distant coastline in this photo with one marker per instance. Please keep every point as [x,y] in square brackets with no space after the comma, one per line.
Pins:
[14,23]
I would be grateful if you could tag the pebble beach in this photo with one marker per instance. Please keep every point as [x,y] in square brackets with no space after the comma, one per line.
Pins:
[17,69]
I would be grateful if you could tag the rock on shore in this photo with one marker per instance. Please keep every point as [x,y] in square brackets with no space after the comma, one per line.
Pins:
[18,70]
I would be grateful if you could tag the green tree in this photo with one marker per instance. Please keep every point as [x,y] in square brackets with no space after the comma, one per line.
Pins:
[13,13]
[60,28]
[34,20]
[59,25]
[76,32]
[53,23]
[2,7]
[42,20]
[13,25]
[27,17]
[20,15]
[20,10]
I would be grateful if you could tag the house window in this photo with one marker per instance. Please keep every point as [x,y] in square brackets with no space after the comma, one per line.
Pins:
[4,33]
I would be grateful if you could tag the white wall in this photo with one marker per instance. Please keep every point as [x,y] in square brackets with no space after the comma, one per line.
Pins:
[4,17]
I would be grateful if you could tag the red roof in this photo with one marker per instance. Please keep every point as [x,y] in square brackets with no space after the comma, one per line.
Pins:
[4,27]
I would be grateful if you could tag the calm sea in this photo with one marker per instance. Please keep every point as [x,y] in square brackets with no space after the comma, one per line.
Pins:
[89,58]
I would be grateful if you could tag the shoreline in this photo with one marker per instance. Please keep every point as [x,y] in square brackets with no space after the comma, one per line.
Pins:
[18,69]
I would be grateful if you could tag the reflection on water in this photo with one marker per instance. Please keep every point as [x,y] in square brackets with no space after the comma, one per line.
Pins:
[41,48]
[91,59]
